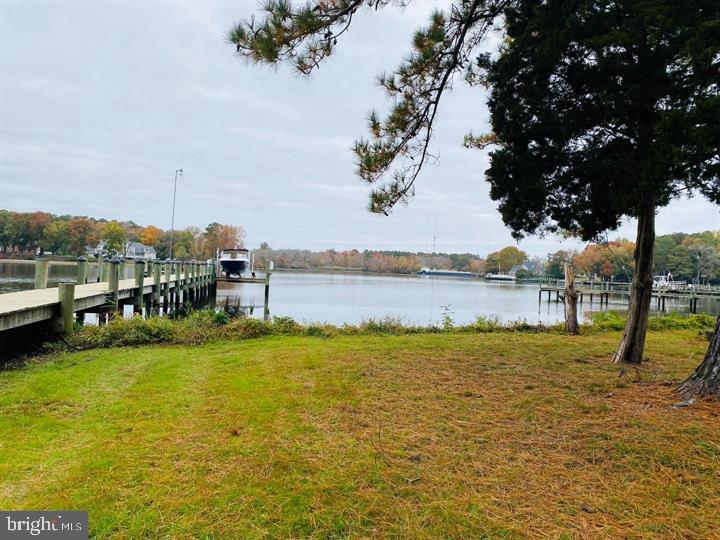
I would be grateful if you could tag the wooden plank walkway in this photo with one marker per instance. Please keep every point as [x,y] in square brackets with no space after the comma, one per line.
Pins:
[27,307]
[167,286]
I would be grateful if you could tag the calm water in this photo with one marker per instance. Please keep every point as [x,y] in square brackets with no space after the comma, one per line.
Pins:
[352,298]
[346,298]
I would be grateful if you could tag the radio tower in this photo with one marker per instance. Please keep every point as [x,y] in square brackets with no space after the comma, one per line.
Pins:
[434,236]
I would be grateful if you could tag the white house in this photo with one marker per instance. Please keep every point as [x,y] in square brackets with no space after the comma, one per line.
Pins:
[136,250]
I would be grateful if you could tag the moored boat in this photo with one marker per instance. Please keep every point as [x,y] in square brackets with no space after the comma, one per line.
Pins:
[446,273]
[234,261]
[500,277]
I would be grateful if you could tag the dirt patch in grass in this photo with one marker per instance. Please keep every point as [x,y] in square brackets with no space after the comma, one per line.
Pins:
[427,436]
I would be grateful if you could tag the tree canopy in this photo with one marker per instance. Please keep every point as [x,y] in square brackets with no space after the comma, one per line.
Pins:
[603,109]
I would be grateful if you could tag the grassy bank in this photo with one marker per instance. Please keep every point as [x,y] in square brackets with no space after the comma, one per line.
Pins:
[208,325]
[501,434]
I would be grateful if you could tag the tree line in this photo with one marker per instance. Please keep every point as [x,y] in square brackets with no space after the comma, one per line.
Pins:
[23,233]
[694,258]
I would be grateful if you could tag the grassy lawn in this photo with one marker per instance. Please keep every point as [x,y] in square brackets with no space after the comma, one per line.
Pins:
[427,436]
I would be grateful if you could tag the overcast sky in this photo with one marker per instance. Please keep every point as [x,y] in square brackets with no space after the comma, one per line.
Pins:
[102,101]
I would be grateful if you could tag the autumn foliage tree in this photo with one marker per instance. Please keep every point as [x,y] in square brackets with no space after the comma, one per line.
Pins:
[150,235]
[606,260]
[219,237]
[82,232]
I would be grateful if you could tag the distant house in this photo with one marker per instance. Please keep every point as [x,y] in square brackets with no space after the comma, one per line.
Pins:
[136,250]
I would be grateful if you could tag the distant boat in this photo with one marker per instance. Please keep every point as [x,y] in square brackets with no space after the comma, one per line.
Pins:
[446,273]
[234,261]
[500,277]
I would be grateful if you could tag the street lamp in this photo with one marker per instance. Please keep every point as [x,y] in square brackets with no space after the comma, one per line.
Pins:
[172,223]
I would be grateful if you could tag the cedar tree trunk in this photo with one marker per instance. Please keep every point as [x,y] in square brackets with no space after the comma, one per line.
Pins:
[631,346]
[706,379]
[571,320]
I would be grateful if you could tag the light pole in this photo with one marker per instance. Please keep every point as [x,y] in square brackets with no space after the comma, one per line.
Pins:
[172,222]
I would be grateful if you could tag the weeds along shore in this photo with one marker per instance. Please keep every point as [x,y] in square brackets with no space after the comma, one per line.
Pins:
[204,326]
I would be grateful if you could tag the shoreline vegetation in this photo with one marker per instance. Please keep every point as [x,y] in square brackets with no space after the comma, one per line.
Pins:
[377,431]
[206,326]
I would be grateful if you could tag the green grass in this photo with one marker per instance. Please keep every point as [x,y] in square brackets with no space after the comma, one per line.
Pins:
[456,435]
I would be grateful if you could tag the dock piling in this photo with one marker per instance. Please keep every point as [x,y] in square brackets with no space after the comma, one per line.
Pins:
[176,291]
[66,295]
[167,267]
[42,268]
[268,273]
[157,284]
[186,284]
[81,270]
[114,282]
[139,275]
[105,270]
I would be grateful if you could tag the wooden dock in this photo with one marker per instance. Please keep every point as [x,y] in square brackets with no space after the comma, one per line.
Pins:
[603,291]
[256,281]
[156,287]
[162,285]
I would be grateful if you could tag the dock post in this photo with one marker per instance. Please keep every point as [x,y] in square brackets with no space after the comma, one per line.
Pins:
[170,284]
[206,271]
[186,284]
[114,282]
[157,284]
[268,273]
[178,279]
[198,285]
[81,270]
[42,268]
[66,295]
[166,287]
[189,290]
[201,283]
[196,270]
[193,282]
[104,268]
[139,274]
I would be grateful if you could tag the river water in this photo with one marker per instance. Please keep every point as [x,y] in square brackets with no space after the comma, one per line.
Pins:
[351,298]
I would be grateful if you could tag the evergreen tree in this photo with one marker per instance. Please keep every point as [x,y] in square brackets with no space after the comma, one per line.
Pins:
[603,110]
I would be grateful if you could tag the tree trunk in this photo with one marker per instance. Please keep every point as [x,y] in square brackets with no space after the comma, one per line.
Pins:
[706,379]
[631,346]
[571,320]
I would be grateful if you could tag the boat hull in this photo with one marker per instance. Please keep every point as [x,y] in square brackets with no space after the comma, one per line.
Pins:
[234,267]
[447,273]
[500,277]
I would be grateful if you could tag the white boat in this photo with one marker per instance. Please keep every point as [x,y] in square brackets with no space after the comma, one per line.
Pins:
[235,262]
[500,277]
[446,273]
